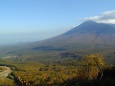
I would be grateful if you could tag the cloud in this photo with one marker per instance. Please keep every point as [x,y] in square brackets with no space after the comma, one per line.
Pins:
[105,17]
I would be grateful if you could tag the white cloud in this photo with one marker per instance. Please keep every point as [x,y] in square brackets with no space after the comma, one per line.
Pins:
[105,17]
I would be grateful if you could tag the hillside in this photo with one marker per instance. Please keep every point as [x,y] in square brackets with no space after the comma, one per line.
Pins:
[88,37]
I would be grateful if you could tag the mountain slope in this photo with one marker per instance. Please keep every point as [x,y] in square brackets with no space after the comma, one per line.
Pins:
[89,37]
[88,32]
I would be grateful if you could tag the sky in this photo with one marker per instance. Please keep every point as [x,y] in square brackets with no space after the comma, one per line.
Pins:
[35,20]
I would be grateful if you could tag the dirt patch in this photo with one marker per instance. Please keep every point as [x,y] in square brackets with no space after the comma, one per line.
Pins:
[4,73]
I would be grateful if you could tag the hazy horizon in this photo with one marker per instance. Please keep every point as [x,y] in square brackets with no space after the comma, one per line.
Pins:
[29,21]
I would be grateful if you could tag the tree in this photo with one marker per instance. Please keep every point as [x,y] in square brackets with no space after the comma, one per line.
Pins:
[93,61]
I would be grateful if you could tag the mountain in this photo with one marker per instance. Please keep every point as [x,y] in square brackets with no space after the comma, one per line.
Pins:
[113,25]
[91,27]
[88,37]
[88,32]
[92,32]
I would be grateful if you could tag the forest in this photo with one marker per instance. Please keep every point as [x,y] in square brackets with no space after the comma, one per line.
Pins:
[90,70]
[57,42]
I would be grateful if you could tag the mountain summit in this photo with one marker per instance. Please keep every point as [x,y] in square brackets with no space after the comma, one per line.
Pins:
[91,27]
[90,32]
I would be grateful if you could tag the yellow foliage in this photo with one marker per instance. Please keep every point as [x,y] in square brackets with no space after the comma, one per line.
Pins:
[94,60]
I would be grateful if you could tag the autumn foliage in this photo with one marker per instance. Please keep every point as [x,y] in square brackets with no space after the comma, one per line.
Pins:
[89,70]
